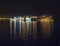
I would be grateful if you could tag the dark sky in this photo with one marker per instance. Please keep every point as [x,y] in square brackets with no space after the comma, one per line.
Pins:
[28,7]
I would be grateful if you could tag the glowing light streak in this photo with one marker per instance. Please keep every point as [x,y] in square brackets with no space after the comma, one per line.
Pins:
[28,21]
[20,27]
[4,18]
[11,27]
[14,27]
[28,28]
[24,30]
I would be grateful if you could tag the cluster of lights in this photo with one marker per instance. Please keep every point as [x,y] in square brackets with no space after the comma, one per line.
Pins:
[46,23]
[33,16]
[20,19]
[46,18]
[28,19]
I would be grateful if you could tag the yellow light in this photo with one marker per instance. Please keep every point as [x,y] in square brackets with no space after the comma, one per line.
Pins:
[4,18]
[46,25]
[45,20]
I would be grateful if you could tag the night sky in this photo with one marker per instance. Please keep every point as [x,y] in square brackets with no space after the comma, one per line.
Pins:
[33,7]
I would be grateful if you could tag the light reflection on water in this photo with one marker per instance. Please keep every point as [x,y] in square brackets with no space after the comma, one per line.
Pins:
[46,28]
[28,29]
[24,29]
[20,29]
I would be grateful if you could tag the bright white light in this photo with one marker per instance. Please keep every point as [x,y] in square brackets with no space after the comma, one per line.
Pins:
[14,27]
[14,18]
[11,27]
[10,19]
[21,19]
[28,19]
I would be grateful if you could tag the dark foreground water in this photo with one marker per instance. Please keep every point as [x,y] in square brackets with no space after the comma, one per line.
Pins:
[5,40]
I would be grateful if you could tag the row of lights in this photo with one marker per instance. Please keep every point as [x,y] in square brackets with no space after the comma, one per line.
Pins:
[41,18]
[20,19]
